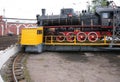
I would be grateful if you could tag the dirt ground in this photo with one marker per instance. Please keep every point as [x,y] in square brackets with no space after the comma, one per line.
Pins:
[74,67]
[6,41]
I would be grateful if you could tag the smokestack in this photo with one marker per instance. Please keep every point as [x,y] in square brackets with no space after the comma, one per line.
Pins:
[43,12]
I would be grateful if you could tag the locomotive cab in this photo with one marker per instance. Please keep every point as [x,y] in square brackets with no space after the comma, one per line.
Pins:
[106,15]
[107,18]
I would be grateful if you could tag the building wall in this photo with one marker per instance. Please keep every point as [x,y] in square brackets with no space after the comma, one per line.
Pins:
[0,31]
[12,27]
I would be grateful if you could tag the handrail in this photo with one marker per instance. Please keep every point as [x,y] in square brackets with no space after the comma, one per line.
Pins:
[52,41]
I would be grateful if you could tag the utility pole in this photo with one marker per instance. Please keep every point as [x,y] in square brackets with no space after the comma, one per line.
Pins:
[4,13]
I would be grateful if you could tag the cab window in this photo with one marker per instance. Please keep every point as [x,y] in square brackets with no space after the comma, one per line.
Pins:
[39,31]
[105,15]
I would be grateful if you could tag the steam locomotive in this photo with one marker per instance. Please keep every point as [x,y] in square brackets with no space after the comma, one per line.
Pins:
[86,26]
[68,31]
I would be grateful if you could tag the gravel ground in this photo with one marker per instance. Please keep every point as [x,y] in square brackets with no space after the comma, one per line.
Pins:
[6,41]
[74,67]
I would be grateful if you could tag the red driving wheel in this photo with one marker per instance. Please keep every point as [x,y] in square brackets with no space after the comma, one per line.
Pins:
[92,36]
[81,36]
[70,36]
[60,37]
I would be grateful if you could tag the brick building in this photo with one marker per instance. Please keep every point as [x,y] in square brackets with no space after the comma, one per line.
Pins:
[7,27]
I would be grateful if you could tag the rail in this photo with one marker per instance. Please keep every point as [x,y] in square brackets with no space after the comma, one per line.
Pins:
[17,70]
[13,70]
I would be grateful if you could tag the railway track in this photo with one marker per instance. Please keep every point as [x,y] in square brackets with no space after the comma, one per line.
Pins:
[17,69]
[15,72]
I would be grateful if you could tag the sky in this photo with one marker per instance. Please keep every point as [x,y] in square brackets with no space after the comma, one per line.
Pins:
[29,8]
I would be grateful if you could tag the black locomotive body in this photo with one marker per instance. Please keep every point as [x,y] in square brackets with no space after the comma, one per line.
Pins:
[86,26]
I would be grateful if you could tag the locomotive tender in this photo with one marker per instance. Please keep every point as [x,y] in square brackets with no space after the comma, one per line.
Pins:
[99,31]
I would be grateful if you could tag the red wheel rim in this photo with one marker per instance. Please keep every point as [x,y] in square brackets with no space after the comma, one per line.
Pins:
[92,36]
[81,36]
[60,37]
[70,36]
